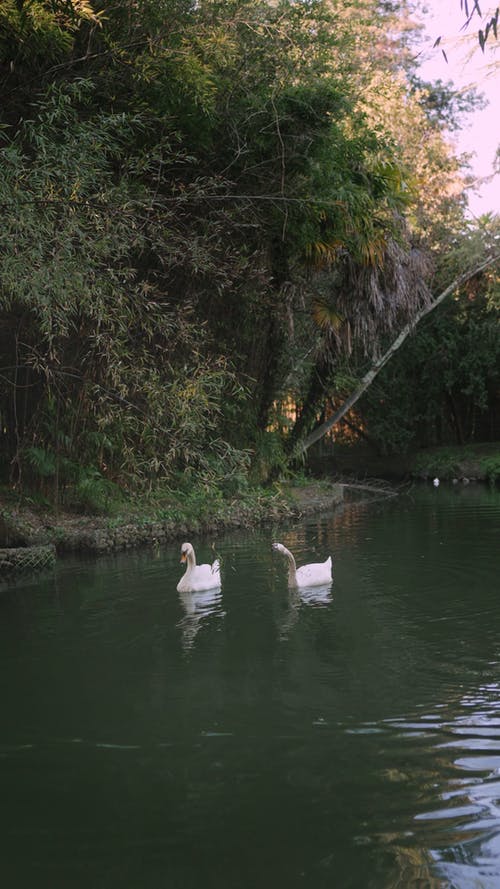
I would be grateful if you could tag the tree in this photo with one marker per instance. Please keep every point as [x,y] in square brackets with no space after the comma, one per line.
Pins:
[377,366]
[176,175]
[364,295]
[489,23]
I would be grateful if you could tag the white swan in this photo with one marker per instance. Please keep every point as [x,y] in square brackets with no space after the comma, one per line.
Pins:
[197,577]
[314,574]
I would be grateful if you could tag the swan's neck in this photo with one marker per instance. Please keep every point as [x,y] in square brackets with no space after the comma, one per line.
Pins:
[292,567]
[190,561]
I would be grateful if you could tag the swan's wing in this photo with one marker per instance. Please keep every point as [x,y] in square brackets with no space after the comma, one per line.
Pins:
[315,573]
[313,568]
[202,577]
[207,577]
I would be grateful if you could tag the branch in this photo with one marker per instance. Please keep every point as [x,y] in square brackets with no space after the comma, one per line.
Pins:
[375,369]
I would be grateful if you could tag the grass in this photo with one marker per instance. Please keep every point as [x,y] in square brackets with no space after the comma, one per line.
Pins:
[201,508]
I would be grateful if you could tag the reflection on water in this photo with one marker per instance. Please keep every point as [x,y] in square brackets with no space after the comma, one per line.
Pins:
[198,607]
[465,810]
[346,736]
[315,597]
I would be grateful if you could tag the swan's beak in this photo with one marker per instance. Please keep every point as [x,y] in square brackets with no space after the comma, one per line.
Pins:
[183,557]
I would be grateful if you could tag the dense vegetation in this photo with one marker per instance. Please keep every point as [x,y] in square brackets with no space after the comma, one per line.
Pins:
[214,215]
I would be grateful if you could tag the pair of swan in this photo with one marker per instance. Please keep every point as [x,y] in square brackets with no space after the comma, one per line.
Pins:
[207,577]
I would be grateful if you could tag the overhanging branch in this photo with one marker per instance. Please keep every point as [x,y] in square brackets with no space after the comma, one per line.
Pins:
[375,369]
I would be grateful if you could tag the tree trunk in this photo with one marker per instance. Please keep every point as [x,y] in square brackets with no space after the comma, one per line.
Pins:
[377,366]
[315,398]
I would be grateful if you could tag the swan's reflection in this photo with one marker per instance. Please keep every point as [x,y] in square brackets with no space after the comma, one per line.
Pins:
[197,608]
[315,596]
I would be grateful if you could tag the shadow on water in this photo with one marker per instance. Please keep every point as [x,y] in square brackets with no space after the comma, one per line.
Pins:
[344,736]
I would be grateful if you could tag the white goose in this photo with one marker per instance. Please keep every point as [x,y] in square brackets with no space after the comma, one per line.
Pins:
[197,577]
[314,574]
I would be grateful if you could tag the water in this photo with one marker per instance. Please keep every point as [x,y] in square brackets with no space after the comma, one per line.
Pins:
[349,738]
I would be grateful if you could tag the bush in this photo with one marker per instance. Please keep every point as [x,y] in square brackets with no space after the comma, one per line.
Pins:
[491,469]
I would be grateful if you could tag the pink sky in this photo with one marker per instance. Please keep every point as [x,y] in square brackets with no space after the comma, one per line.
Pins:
[468,66]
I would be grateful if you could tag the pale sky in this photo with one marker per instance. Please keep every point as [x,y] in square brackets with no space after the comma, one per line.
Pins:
[468,66]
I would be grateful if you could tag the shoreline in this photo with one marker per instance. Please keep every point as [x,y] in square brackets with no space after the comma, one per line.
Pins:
[22,527]
[355,470]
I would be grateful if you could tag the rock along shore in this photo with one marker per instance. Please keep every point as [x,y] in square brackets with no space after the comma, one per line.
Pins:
[22,527]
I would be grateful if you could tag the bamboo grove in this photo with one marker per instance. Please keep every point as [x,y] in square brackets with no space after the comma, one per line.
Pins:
[214,216]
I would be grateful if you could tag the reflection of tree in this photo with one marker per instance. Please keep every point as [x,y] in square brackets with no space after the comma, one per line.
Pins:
[197,608]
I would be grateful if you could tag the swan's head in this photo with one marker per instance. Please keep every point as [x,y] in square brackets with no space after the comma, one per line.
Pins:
[278,548]
[186,550]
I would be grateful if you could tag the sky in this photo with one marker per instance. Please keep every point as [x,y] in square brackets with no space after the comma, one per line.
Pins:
[466,66]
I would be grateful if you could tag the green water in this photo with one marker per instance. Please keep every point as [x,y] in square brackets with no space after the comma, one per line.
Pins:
[259,739]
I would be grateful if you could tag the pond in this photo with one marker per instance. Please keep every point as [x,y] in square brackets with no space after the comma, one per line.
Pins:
[349,738]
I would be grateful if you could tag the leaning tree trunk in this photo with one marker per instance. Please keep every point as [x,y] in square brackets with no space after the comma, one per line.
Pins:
[377,366]
[308,414]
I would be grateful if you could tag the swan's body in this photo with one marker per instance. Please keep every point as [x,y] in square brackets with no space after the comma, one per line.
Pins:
[314,574]
[197,577]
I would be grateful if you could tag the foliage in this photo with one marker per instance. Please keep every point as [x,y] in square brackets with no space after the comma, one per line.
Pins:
[443,463]
[444,104]
[458,462]
[177,178]
[443,386]
[491,469]
[96,340]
